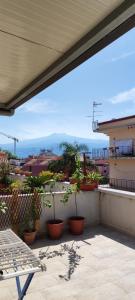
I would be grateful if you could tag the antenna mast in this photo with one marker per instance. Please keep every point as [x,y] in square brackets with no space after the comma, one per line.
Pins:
[94,111]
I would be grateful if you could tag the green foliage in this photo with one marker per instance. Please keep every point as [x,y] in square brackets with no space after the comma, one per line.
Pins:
[70,155]
[94,177]
[34,182]
[31,216]
[46,175]
[49,204]
[10,155]
[58,176]
[3,207]
[104,180]
[57,166]
[5,168]
[16,185]
[78,174]
[67,194]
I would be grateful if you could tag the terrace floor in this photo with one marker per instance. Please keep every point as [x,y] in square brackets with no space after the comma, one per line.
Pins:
[99,265]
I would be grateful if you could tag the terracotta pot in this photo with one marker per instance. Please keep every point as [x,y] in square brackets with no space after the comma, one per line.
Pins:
[55,228]
[87,186]
[27,173]
[76,225]
[29,237]
[96,184]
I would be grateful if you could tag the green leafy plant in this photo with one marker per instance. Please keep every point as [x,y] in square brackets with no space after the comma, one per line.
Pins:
[78,174]
[16,185]
[34,182]
[69,190]
[46,175]
[94,177]
[59,176]
[48,203]
[3,207]
[31,215]
[5,170]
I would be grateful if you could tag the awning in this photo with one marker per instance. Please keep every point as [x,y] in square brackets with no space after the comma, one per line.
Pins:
[41,41]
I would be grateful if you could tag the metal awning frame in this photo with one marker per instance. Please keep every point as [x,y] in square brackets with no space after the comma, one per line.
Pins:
[120,21]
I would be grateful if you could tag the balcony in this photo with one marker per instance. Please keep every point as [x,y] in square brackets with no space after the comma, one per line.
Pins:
[122,184]
[96,265]
[113,152]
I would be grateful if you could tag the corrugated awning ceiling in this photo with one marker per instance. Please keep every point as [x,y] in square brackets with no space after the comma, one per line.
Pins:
[43,40]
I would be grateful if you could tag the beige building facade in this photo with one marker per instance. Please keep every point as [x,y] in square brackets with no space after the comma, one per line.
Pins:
[121,149]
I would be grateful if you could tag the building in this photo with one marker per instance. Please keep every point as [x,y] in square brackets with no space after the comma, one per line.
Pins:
[121,151]
[3,156]
[102,166]
[37,164]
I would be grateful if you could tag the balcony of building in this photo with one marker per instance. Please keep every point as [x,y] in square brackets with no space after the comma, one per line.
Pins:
[114,152]
[122,184]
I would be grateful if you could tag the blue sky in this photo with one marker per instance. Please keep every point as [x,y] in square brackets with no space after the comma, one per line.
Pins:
[107,77]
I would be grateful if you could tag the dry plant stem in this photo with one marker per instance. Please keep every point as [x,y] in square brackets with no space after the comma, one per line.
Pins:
[76,204]
[53,206]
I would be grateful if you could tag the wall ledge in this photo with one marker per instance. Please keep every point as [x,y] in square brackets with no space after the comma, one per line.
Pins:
[124,194]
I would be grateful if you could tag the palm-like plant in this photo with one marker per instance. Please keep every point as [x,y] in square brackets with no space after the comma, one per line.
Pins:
[70,153]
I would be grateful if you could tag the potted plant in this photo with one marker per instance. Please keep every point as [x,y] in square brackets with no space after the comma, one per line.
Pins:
[38,208]
[76,223]
[55,226]
[95,178]
[28,227]
[77,176]
[90,181]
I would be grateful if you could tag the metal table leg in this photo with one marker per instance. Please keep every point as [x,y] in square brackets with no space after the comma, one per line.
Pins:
[22,292]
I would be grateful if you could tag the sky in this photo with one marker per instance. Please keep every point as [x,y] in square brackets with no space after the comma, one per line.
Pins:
[107,77]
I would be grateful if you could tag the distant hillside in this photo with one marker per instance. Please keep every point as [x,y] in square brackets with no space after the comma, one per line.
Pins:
[33,146]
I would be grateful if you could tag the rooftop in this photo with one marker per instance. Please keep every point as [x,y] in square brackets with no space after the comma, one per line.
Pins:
[117,120]
[98,265]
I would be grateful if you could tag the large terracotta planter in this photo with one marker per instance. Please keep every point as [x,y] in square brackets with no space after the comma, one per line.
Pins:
[96,184]
[29,237]
[55,228]
[87,186]
[76,225]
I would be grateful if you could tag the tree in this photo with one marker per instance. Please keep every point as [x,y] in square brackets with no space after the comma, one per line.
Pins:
[56,166]
[10,155]
[70,153]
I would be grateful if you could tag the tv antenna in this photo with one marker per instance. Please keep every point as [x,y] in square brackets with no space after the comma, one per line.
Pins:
[94,113]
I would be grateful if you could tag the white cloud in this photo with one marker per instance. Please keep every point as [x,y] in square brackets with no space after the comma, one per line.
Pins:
[125,96]
[39,106]
[123,56]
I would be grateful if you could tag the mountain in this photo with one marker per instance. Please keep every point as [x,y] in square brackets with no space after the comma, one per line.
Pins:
[33,146]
